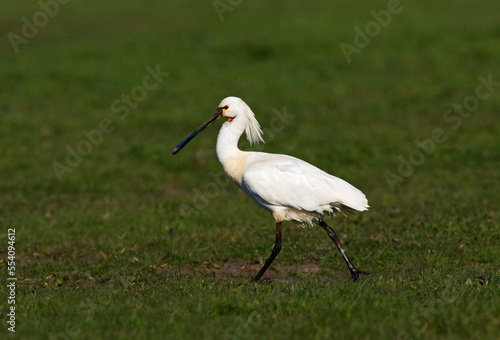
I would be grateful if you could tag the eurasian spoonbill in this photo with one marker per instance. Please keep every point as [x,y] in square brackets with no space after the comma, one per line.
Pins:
[287,187]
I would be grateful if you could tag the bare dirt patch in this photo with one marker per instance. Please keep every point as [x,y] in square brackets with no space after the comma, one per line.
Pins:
[241,267]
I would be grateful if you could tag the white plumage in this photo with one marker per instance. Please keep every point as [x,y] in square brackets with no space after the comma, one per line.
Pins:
[287,187]
[292,189]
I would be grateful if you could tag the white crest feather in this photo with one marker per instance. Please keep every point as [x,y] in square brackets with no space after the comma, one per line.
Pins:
[253,130]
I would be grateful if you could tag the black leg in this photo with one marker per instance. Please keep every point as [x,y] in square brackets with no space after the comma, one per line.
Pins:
[274,253]
[354,272]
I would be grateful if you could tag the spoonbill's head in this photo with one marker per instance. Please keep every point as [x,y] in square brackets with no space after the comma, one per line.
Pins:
[238,115]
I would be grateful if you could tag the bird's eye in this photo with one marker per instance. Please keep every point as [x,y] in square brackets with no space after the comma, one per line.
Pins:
[226,107]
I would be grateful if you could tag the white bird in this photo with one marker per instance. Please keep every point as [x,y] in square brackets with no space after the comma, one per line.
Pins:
[287,187]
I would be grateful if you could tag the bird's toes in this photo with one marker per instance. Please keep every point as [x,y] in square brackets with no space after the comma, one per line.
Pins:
[355,274]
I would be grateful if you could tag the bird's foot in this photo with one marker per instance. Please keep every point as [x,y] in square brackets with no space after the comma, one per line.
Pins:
[355,274]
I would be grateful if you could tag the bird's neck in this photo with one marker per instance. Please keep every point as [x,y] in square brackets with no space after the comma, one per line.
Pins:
[230,156]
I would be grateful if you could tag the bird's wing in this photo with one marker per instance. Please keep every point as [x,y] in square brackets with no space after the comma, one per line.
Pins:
[281,180]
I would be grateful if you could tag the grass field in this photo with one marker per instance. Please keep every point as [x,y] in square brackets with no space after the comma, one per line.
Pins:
[116,238]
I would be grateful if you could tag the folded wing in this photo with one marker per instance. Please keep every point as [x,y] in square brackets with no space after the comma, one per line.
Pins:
[281,180]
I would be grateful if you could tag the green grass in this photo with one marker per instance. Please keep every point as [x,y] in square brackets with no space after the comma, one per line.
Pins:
[136,243]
